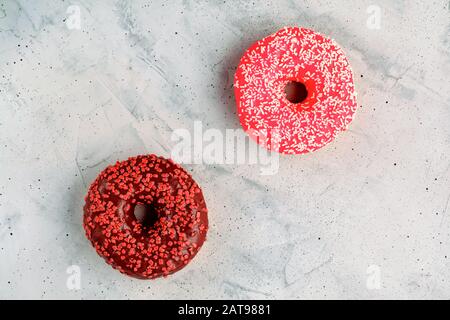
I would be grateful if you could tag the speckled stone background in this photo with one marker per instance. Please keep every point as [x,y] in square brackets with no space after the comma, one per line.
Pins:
[370,209]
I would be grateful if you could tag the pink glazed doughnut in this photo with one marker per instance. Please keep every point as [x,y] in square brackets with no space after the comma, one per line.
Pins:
[298,85]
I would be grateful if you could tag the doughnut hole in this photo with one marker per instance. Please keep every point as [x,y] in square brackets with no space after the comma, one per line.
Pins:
[296,92]
[146,215]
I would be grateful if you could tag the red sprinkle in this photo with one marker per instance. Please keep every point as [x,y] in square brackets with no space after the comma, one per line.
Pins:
[138,250]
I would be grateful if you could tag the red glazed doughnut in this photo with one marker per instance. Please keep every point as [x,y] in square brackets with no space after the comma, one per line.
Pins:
[297,85]
[174,227]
